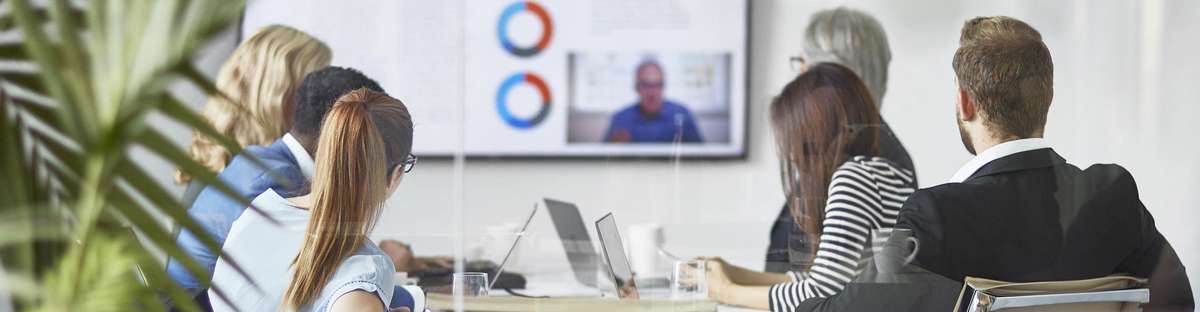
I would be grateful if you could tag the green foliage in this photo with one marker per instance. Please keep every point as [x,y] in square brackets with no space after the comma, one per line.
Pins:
[76,91]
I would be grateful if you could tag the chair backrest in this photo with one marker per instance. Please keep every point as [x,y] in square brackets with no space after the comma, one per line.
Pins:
[1112,293]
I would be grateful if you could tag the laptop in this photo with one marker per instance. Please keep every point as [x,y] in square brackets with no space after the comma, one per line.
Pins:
[516,242]
[575,239]
[614,252]
[440,279]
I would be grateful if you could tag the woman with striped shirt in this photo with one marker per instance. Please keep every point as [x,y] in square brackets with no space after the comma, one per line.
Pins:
[826,128]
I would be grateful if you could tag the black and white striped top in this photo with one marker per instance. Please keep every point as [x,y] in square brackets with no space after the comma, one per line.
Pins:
[865,196]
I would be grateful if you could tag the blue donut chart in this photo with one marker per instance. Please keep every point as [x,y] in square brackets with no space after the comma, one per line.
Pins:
[507,15]
[502,100]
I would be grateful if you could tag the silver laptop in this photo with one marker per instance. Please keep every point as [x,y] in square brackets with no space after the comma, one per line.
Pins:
[575,239]
[516,242]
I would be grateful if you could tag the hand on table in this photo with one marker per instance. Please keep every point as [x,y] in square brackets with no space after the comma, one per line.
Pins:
[405,261]
[620,136]
[436,262]
[718,278]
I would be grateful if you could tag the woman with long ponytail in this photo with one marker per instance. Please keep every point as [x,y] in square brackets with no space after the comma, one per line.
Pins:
[318,256]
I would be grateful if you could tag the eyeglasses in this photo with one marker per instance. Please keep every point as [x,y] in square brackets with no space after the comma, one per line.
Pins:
[650,85]
[409,163]
[797,63]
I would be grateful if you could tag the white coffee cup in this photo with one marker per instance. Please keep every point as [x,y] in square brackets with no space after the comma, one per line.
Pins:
[644,242]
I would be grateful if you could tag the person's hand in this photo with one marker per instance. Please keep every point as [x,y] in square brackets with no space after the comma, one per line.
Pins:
[404,260]
[718,279]
[440,262]
[401,254]
[620,136]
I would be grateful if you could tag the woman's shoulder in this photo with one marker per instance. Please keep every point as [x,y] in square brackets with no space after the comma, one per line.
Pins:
[368,263]
[871,167]
[367,269]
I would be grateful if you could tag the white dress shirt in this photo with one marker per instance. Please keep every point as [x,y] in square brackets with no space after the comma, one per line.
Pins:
[996,152]
[302,159]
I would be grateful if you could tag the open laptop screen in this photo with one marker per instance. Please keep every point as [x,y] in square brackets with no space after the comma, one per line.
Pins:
[614,252]
[578,245]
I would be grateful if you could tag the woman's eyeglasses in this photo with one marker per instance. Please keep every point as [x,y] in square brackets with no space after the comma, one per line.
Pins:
[409,163]
[797,63]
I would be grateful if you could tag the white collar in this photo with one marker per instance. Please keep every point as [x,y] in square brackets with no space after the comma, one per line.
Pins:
[996,152]
[302,158]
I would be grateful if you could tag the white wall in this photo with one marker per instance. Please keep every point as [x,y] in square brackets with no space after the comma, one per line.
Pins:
[1125,93]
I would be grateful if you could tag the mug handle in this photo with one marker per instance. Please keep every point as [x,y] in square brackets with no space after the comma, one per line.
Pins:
[915,249]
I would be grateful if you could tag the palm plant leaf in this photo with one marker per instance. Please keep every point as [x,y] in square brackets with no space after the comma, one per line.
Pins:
[107,265]
[126,208]
[21,226]
[87,86]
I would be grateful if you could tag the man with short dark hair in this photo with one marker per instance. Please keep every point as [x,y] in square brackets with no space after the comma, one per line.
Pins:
[315,97]
[1017,211]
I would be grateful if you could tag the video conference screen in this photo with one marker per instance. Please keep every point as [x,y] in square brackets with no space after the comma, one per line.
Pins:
[554,78]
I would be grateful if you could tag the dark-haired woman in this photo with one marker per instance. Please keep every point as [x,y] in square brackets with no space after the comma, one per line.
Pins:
[827,129]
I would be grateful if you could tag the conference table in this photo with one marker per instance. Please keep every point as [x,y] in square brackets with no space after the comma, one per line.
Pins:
[443,302]
[565,294]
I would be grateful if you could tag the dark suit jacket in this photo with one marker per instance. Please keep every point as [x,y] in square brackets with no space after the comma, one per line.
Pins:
[1030,216]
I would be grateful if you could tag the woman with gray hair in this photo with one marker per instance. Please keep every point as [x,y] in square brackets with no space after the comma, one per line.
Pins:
[856,40]
[853,39]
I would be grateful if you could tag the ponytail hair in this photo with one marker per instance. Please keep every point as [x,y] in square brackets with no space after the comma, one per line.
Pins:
[363,138]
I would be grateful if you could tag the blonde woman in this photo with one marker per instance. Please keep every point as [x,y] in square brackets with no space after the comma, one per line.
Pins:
[316,255]
[261,79]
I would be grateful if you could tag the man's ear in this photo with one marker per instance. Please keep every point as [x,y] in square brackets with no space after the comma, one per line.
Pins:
[966,107]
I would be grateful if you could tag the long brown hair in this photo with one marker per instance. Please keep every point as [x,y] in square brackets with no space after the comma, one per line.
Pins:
[353,160]
[821,119]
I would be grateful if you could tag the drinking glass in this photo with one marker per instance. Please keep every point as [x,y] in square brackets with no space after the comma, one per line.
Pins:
[689,280]
[470,284]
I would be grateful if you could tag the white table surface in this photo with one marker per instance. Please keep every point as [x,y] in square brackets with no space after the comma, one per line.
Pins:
[729,308]
[564,285]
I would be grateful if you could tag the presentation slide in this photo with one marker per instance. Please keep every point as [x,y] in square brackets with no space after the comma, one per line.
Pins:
[553,78]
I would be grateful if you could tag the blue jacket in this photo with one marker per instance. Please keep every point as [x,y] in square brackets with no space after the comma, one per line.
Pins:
[216,212]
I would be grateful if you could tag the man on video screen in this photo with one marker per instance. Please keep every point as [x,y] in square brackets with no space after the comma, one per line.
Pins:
[652,119]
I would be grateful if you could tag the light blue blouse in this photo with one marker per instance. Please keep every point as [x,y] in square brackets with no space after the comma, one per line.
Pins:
[265,252]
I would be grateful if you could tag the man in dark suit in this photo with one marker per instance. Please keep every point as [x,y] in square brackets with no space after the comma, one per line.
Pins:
[1018,211]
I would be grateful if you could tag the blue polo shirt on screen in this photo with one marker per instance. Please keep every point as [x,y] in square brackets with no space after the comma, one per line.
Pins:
[662,128]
